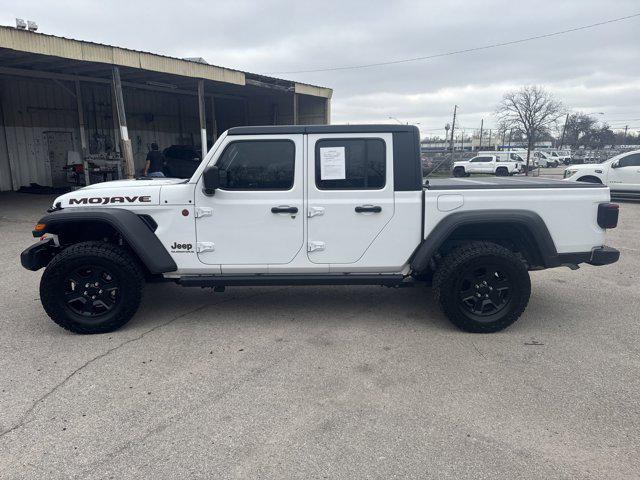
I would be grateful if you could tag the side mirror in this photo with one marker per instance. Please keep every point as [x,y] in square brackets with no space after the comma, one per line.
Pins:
[615,165]
[211,180]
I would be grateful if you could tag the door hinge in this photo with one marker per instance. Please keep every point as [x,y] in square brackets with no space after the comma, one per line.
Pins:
[313,211]
[205,247]
[203,212]
[315,246]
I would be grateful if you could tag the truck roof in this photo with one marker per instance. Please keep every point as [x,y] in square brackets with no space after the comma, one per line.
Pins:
[293,129]
[496,183]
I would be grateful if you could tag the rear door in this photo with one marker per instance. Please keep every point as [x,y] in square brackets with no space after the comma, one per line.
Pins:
[350,195]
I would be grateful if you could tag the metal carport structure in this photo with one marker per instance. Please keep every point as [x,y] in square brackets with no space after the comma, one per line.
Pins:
[100,99]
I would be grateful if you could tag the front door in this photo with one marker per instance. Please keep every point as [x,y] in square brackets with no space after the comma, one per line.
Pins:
[256,217]
[350,194]
[627,174]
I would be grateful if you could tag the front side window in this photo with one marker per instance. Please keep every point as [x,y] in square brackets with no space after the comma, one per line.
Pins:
[351,164]
[257,165]
[632,160]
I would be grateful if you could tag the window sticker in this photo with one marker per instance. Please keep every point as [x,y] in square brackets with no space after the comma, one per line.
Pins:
[332,163]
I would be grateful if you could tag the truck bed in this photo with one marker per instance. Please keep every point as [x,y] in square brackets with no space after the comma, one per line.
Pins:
[496,183]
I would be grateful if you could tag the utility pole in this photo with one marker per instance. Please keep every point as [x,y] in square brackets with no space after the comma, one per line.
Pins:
[489,138]
[481,125]
[564,129]
[624,140]
[453,127]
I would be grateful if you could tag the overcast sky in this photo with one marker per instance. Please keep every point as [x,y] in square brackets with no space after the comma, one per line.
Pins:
[596,70]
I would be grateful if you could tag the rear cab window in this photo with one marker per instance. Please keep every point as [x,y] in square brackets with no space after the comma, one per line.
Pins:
[350,164]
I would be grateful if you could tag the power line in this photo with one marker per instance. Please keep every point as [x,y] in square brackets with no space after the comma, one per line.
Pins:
[457,52]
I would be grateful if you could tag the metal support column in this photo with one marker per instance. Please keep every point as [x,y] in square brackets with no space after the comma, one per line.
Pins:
[83,133]
[327,111]
[295,109]
[203,117]
[214,123]
[127,150]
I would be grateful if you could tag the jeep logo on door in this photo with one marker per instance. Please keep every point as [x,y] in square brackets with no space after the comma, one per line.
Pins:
[181,247]
[109,200]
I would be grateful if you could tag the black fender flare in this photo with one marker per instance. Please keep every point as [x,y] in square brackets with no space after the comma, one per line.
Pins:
[524,218]
[144,242]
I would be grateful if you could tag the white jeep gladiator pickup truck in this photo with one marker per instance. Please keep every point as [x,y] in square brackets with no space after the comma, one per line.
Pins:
[495,163]
[315,205]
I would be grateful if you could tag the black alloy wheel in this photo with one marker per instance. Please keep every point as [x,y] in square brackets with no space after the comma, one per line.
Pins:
[91,291]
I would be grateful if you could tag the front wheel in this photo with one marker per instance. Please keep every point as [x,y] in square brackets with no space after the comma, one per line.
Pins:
[92,287]
[459,172]
[482,287]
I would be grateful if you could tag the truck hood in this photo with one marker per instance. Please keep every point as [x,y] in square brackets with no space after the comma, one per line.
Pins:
[585,166]
[144,182]
[119,193]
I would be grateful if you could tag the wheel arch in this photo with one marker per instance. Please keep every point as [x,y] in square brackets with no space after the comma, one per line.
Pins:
[95,223]
[520,230]
[590,179]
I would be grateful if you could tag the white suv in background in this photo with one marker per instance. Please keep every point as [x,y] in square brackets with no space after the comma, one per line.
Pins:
[620,173]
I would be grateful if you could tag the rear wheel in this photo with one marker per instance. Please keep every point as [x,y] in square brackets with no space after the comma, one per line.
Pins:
[92,287]
[482,287]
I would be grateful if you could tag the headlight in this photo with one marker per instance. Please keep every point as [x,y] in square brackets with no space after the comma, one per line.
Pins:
[569,173]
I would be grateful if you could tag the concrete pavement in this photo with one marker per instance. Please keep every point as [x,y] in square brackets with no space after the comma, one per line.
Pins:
[323,382]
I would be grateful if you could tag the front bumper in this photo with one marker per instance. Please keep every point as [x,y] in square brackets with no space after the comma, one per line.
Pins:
[38,255]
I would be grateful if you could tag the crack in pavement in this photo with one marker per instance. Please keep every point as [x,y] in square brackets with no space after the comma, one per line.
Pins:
[24,419]
[168,421]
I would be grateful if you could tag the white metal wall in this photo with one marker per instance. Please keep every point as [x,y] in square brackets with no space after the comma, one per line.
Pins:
[31,107]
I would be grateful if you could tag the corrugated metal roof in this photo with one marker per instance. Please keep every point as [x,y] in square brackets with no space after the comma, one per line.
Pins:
[80,50]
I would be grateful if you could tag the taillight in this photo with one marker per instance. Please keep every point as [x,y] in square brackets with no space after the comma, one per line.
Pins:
[608,215]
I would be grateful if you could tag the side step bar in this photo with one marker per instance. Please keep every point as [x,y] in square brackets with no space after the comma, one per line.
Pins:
[388,280]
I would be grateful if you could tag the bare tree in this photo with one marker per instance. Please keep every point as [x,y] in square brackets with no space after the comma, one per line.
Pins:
[532,111]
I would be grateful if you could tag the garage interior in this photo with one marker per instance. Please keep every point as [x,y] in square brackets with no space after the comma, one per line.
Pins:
[75,112]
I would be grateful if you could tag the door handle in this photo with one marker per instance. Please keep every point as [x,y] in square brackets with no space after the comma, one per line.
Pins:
[284,209]
[368,209]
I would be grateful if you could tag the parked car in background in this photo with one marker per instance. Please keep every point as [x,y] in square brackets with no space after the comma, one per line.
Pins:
[545,159]
[496,163]
[181,161]
[560,157]
[620,173]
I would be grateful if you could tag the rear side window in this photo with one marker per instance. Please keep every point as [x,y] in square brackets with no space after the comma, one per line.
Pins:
[351,164]
[257,165]
[632,160]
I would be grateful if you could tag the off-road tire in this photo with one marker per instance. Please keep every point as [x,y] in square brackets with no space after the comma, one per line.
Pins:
[124,269]
[473,255]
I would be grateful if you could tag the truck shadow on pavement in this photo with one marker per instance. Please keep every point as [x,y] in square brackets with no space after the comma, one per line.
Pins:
[325,304]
